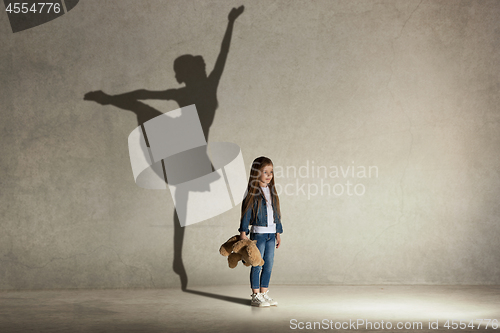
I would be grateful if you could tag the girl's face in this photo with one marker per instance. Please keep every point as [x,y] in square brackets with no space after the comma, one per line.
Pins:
[266,174]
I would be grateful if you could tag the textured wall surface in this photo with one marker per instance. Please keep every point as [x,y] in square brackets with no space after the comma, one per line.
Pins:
[403,93]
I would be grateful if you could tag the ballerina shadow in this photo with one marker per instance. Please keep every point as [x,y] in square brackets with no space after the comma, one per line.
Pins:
[200,90]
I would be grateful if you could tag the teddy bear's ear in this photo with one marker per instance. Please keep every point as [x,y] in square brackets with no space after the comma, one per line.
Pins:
[224,251]
[233,260]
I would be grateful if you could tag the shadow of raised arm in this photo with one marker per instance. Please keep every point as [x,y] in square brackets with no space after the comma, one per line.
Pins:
[216,73]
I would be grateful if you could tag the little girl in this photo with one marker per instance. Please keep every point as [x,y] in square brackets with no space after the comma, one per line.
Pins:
[260,211]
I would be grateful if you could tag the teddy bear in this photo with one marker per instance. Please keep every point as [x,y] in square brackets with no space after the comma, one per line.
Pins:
[245,250]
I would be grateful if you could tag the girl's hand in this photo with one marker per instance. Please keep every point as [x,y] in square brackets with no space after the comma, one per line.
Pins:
[243,235]
[278,240]
[235,12]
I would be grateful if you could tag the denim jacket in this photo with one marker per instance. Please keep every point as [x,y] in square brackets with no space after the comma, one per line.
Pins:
[261,218]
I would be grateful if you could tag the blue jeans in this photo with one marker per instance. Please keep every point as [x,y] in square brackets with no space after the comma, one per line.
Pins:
[266,244]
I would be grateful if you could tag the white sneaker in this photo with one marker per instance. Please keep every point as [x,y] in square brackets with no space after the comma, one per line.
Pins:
[269,299]
[258,300]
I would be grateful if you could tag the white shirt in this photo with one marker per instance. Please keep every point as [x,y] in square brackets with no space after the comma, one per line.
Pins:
[271,226]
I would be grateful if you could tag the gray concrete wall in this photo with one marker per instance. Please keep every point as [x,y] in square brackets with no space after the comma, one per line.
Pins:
[409,88]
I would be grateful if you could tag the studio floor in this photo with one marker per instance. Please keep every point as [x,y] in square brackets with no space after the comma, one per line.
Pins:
[227,309]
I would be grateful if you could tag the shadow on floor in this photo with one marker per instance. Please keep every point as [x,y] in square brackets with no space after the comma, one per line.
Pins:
[237,300]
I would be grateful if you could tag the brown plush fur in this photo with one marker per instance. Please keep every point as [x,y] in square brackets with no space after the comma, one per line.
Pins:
[245,249]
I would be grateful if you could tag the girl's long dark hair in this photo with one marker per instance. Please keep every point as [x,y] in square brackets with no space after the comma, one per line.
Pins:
[253,189]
